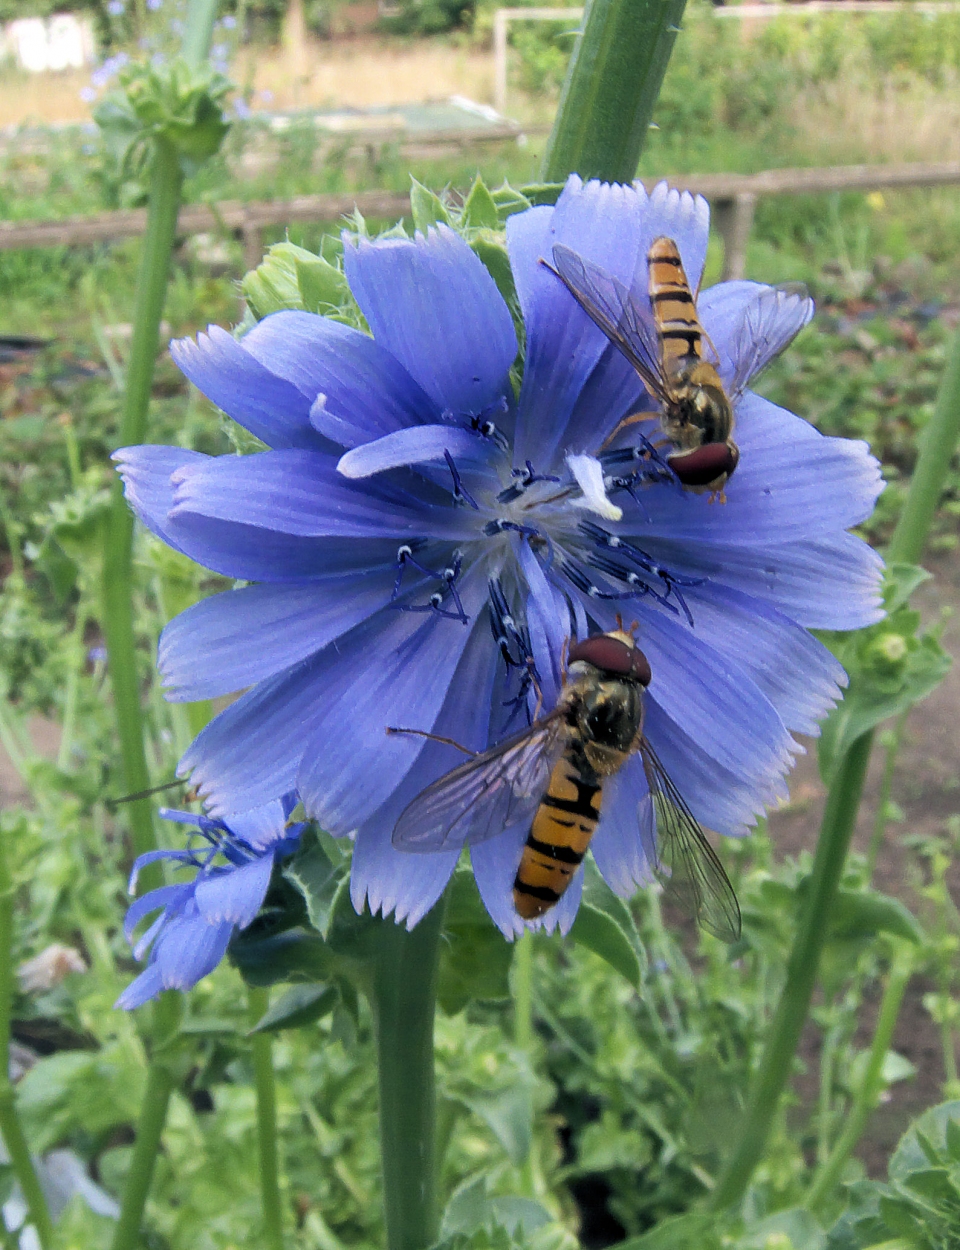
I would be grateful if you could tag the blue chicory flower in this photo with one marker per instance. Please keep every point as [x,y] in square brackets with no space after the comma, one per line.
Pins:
[232,862]
[420,537]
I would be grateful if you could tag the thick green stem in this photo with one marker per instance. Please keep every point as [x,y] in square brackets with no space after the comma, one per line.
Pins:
[776,1065]
[153,1116]
[261,1045]
[611,87]
[10,1126]
[937,446]
[166,182]
[404,999]
[870,1087]
[882,817]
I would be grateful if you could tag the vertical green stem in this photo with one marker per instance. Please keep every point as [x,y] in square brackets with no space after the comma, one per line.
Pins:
[10,1126]
[611,87]
[937,445]
[881,819]
[776,1065]
[523,991]
[261,1046]
[153,1116]
[870,1087]
[404,999]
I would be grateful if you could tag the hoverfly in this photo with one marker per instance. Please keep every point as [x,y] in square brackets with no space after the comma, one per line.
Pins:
[551,776]
[666,347]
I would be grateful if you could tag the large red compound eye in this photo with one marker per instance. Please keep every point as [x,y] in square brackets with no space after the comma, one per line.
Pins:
[611,655]
[705,464]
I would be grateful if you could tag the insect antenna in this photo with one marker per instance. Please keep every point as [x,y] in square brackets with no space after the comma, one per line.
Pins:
[190,797]
[422,733]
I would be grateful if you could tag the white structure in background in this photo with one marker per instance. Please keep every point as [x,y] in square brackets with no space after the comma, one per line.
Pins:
[36,44]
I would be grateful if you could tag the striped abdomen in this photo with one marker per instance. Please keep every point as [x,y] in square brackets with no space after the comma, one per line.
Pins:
[674,309]
[559,836]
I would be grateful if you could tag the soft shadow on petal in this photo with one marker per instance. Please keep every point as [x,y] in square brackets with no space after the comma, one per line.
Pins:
[236,639]
[234,896]
[399,676]
[432,304]
[407,883]
[617,845]
[247,389]
[367,392]
[495,863]
[548,619]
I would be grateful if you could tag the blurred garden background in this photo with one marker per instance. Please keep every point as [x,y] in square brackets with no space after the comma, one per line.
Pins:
[617,1111]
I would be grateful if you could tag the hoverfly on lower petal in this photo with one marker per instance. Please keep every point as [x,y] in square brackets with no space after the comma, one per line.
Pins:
[551,777]
[672,353]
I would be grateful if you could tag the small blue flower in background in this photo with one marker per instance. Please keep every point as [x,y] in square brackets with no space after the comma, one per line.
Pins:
[422,540]
[232,862]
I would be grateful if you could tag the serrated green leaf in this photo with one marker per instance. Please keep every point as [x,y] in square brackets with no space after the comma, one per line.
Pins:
[317,878]
[492,251]
[351,936]
[480,208]
[542,192]
[303,1004]
[475,958]
[323,287]
[900,581]
[864,915]
[682,1232]
[426,208]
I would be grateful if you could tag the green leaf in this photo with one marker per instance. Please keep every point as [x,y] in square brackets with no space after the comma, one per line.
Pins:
[889,667]
[294,955]
[605,926]
[323,287]
[480,208]
[317,878]
[682,1232]
[492,251]
[351,936]
[509,201]
[474,956]
[303,1004]
[275,283]
[508,1113]
[793,1229]
[426,208]
[895,1068]
[863,915]
[539,193]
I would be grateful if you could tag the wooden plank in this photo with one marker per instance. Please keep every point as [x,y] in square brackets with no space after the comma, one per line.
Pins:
[234,215]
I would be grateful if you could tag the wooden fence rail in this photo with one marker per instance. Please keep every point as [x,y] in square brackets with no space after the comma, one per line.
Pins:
[733,198]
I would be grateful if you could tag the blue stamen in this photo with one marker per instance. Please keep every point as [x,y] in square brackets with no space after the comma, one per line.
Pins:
[460,492]
[447,576]
[524,478]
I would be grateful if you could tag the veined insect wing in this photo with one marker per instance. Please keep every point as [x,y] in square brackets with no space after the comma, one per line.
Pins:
[497,789]
[686,863]
[610,306]
[768,324]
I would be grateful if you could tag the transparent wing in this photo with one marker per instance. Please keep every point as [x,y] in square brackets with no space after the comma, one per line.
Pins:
[610,305]
[770,322]
[687,864]
[488,794]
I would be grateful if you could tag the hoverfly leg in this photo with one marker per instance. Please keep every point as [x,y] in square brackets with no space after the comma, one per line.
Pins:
[422,733]
[634,419]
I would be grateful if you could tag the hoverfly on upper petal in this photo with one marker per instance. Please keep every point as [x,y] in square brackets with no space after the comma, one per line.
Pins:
[550,778]
[672,353]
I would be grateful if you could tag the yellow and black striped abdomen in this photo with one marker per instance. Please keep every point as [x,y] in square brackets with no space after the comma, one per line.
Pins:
[558,838]
[674,308]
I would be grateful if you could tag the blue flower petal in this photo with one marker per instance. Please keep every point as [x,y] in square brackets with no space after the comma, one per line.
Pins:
[165,896]
[300,493]
[260,827]
[405,883]
[611,392]
[417,446]
[831,583]
[365,391]
[602,222]
[246,389]
[146,472]
[189,949]
[548,620]
[238,638]
[433,305]
[146,986]
[618,845]
[398,676]
[235,895]
[678,215]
